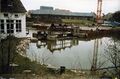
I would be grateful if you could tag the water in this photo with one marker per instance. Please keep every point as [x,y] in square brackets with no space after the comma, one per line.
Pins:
[71,53]
[19,56]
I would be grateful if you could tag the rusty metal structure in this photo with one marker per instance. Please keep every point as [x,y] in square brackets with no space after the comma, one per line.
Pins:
[96,42]
[99,12]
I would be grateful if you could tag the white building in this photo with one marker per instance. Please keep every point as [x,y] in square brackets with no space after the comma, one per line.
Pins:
[12,18]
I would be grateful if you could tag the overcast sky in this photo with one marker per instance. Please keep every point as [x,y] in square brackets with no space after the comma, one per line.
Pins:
[74,5]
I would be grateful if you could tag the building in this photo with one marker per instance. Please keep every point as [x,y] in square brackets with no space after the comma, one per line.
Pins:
[49,13]
[12,18]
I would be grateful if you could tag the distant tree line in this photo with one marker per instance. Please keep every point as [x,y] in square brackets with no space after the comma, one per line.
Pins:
[116,16]
[113,16]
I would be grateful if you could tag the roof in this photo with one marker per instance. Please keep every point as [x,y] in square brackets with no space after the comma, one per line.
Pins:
[61,12]
[65,13]
[46,8]
[13,6]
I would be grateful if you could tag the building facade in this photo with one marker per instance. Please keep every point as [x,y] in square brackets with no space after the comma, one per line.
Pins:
[49,14]
[12,18]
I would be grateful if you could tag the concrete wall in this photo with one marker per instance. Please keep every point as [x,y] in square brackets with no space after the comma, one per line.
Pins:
[22,17]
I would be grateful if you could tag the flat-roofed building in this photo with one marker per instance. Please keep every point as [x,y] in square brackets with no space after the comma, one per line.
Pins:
[49,13]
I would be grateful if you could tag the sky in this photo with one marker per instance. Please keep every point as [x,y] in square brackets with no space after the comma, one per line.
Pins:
[74,5]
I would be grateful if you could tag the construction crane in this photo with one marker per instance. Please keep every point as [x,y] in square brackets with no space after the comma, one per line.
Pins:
[96,41]
[99,12]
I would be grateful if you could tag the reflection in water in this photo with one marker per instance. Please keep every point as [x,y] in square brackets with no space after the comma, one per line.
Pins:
[71,53]
[58,44]
[95,56]
[39,44]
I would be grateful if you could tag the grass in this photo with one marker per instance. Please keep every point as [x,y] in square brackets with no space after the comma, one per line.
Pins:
[77,22]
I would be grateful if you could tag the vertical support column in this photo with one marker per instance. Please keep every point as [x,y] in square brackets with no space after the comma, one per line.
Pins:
[99,12]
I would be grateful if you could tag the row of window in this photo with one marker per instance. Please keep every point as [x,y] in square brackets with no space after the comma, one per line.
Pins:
[7,15]
[10,26]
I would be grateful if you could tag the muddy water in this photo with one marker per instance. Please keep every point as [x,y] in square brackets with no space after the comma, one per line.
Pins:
[72,53]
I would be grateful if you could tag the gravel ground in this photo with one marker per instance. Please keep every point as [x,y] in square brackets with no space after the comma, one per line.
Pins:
[33,76]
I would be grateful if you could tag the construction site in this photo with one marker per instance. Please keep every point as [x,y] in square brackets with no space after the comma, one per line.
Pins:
[53,43]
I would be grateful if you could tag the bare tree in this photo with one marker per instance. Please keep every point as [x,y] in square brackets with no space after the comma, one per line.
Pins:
[112,54]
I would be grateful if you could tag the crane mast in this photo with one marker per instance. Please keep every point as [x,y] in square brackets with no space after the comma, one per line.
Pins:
[99,12]
[96,42]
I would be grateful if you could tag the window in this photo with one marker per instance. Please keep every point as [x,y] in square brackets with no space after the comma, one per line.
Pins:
[10,26]
[1,26]
[5,15]
[16,15]
[18,26]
